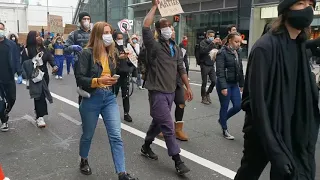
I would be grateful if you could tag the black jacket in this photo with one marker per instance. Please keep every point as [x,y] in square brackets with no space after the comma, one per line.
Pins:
[205,48]
[229,69]
[162,67]
[87,69]
[123,65]
[287,132]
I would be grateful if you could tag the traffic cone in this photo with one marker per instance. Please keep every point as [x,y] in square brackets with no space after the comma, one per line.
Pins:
[2,177]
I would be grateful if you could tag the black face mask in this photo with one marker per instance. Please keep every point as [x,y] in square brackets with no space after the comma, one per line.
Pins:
[300,19]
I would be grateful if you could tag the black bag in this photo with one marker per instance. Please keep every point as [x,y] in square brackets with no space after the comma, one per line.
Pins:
[197,53]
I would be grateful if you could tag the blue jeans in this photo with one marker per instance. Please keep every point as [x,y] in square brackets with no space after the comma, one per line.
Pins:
[70,62]
[59,62]
[235,96]
[103,102]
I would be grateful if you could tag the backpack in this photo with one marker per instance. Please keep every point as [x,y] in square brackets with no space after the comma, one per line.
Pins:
[197,53]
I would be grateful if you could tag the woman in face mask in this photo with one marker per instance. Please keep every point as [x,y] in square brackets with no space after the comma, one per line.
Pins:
[134,47]
[124,67]
[280,99]
[58,55]
[14,38]
[99,60]
[39,91]
[230,81]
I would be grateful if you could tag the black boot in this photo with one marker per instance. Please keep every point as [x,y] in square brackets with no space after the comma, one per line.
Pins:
[84,167]
[127,117]
[147,152]
[181,168]
[126,176]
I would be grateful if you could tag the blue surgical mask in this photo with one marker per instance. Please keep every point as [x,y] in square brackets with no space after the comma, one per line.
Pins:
[135,41]
[211,38]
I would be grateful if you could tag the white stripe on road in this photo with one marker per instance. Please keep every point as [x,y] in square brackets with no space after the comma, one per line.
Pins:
[193,157]
[70,119]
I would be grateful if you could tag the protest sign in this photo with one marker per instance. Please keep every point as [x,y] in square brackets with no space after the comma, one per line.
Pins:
[124,25]
[55,24]
[170,7]
[69,28]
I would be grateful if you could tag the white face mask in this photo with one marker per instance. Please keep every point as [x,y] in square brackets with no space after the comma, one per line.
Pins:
[166,33]
[86,24]
[120,42]
[2,33]
[107,39]
[13,38]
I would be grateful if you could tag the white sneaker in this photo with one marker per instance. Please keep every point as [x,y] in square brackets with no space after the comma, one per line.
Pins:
[57,77]
[4,127]
[40,122]
[227,135]
[60,77]
[141,88]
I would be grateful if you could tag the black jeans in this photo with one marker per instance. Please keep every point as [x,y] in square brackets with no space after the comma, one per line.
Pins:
[123,83]
[180,103]
[205,72]
[10,95]
[40,104]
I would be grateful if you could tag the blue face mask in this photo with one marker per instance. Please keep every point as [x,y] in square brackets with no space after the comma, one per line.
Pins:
[211,38]
[135,41]
[2,33]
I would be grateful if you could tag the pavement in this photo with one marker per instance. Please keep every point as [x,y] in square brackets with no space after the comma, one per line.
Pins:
[29,153]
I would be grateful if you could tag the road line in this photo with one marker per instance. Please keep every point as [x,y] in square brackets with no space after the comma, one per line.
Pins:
[193,157]
[70,119]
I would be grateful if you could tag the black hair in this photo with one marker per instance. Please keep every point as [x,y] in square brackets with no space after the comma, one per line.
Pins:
[115,34]
[2,24]
[13,35]
[210,31]
[32,44]
[157,25]
[229,28]
[232,35]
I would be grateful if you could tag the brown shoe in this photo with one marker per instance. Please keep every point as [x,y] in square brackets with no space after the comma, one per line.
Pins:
[179,131]
[205,100]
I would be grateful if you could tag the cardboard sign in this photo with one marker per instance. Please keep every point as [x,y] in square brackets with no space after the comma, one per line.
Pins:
[69,28]
[132,57]
[124,25]
[55,24]
[170,7]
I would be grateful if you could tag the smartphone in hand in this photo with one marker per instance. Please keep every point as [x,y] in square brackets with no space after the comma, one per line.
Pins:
[116,76]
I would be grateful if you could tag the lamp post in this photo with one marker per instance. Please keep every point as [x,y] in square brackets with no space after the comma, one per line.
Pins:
[72,14]
[238,18]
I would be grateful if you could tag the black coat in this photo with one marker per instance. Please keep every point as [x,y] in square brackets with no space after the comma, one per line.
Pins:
[229,69]
[287,132]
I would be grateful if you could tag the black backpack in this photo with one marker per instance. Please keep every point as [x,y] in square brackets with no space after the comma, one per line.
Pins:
[197,53]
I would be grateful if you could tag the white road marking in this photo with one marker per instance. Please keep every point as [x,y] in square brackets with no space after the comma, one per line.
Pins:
[70,119]
[193,157]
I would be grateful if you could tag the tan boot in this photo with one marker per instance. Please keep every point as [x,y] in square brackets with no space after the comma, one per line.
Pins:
[179,132]
[160,135]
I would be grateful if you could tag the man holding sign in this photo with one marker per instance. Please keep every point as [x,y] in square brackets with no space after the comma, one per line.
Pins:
[165,60]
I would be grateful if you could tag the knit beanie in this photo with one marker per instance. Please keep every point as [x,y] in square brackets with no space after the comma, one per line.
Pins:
[83,14]
[286,4]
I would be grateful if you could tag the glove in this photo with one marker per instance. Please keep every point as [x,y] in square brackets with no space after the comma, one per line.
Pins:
[76,48]
[19,80]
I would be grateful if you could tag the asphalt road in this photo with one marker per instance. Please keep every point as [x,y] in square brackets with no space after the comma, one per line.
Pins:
[29,153]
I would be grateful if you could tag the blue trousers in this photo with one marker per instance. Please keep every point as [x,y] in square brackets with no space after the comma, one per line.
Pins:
[70,62]
[103,102]
[235,96]
[59,62]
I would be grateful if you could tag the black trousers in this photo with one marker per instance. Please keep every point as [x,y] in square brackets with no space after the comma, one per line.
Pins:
[255,160]
[205,72]
[10,95]
[123,83]
[180,103]
[40,104]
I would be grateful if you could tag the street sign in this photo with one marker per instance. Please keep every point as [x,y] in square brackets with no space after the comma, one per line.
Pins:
[124,25]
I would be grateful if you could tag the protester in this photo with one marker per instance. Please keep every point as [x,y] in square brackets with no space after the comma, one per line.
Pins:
[230,81]
[70,62]
[180,105]
[9,66]
[164,63]
[207,65]
[78,39]
[58,55]
[231,29]
[184,45]
[99,60]
[124,67]
[39,91]
[280,99]
[13,37]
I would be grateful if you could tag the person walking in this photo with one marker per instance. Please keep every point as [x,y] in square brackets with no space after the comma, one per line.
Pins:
[36,53]
[58,56]
[96,67]
[230,81]
[165,62]
[281,100]
[9,66]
